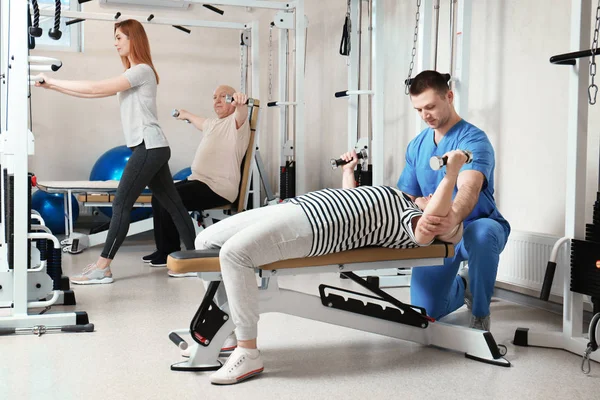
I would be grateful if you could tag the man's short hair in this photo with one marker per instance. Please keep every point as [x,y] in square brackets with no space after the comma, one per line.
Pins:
[429,80]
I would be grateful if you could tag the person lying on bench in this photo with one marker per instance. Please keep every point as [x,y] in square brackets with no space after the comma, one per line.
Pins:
[317,223]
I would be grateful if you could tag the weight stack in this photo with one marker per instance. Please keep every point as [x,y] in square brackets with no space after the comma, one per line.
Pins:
[363,178]
[10,218]
[585,267]
[592,231]
[42,246]
[54,265]
[287,180]
[585,258]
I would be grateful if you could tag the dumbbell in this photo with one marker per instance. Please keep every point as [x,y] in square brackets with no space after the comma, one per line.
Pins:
[229,99]
[437,162]
[175,114]
[336,163]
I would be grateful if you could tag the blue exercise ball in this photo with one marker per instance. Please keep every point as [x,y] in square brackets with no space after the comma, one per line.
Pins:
[183,174]
[109,167]
[51,207]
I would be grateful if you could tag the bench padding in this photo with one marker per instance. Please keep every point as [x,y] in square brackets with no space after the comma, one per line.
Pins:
[208,260]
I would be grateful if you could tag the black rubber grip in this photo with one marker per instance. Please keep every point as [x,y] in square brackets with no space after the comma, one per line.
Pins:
[78,328]
[55,67]
[272,104]
[7,331]
[181,28]
[178,340]
[213,8]
[548,278]
[343,93]
[339,161]
[74,21]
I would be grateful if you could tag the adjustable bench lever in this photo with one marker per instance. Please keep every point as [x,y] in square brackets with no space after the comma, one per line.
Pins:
[387,297]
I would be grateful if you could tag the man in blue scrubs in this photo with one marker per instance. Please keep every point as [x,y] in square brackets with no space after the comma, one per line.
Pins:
[438,288]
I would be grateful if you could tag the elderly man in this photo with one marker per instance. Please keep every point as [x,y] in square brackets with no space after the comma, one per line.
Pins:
[215,177]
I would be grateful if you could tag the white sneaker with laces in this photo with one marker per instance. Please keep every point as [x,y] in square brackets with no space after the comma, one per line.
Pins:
[92,275]
[242,364]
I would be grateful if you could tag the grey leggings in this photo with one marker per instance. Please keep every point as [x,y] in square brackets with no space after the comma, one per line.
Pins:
[248,240]
[146,168]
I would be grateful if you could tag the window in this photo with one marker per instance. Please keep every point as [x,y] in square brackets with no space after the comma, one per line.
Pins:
[71,35]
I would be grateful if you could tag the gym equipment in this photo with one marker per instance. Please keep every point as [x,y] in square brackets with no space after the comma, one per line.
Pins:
[229,100]
[30,267]
[292,175]
[55,32]
[212,324]
[583,278]
[182,174]
[109,167]
[35,29]
[175,114]
[436,163]
[361,155]
[51,208]
[39,330]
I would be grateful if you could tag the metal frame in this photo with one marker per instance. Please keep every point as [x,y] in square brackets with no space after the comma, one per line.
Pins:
[16,145]
[473,343]
[571,337]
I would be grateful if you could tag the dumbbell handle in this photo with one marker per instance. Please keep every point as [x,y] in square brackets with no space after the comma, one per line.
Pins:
[229,99]
[336,163]
[175,114]
[437,162]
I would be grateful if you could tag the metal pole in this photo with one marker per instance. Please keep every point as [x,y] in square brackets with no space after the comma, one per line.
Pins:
[143,19]
[452,19]
[577,129]
[436,12]
[353,76]
[300,140]
[423,50]
[283,93]
[370,88]
[17,136]
[255,57]
[378,61]
[463,52]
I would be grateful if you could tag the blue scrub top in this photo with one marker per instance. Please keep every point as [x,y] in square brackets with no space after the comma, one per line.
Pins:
[418,179]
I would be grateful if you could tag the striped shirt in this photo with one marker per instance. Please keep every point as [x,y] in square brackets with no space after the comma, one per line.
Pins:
[345,219]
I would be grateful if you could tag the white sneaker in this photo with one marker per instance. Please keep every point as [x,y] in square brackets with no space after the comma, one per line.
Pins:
[229,345]
[241,365]
[92,275]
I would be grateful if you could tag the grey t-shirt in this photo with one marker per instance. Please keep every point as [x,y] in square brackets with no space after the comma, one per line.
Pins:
[138,109]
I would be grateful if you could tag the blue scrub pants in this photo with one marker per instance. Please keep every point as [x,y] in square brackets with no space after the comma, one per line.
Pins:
[441,291]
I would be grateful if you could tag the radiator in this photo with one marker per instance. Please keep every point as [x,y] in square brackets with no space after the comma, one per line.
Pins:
[524,259]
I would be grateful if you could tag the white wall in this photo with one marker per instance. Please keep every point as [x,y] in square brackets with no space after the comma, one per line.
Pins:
[516,96]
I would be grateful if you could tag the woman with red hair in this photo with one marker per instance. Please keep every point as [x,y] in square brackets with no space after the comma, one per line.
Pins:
[148,165]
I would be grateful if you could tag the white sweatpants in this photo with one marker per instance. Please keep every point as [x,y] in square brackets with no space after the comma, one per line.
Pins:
[251,239]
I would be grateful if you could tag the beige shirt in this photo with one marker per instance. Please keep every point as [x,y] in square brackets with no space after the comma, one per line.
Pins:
[219,156]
